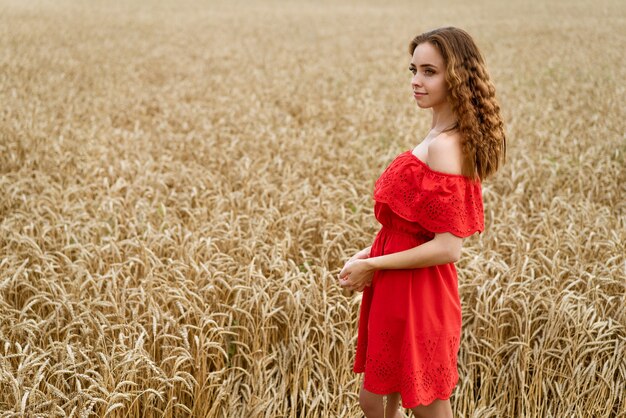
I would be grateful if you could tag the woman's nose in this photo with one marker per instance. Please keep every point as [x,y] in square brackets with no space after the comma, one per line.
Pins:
[415,81]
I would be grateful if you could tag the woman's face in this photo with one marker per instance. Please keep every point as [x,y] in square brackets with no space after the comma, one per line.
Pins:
[428,82]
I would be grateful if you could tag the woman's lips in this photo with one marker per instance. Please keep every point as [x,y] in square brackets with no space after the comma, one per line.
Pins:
[416,95]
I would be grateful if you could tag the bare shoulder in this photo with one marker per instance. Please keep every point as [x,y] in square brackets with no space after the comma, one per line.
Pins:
[445,154]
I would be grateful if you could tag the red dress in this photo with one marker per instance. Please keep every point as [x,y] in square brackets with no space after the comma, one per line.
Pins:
[410,319]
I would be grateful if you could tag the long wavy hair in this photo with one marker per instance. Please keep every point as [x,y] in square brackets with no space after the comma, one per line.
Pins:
[472,97]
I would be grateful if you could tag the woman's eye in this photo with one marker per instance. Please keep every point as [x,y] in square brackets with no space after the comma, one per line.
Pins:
[427,71]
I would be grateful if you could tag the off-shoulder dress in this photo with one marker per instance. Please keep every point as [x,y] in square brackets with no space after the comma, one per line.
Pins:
[410,319]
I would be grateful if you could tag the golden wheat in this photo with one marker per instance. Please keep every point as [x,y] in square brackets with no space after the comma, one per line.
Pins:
[181,183]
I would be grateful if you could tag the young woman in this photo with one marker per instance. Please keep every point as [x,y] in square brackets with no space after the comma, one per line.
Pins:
[427,200]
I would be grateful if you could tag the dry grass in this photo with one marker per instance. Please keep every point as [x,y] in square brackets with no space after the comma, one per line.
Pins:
[181,183]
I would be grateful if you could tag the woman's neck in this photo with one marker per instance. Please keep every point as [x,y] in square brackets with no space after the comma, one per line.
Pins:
[443,118]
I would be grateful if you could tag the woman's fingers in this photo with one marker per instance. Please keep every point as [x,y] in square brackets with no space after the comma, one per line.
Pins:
[344,270]
[348,284]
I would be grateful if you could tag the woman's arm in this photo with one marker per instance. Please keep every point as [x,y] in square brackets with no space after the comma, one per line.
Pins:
[443,249]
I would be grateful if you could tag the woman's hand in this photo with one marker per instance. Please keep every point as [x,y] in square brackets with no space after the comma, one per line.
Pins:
[356,274]
[364,253]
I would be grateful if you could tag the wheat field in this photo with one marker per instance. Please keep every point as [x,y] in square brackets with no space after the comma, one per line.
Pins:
[182,181]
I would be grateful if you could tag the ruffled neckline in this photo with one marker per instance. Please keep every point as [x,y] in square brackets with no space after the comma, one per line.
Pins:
[440,173]
[438,201]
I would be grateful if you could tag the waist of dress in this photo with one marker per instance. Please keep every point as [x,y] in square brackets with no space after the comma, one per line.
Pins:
[400,231]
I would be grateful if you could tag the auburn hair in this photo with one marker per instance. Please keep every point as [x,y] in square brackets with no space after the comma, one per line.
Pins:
[472,97]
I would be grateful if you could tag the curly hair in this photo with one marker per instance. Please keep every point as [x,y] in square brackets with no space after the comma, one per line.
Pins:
[472,97]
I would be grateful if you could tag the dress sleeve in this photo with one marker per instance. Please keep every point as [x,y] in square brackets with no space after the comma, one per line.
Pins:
[439,202]
[450,204]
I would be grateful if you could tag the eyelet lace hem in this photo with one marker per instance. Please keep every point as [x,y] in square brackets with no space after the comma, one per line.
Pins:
[422,370]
